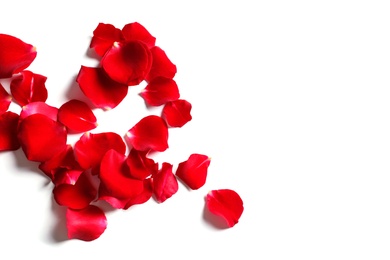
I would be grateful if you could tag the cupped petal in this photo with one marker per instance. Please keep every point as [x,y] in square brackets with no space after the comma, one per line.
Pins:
[77,116]
[177,113]
[99,88]
[28,87]
[140,166]
[165,184]
[66,176]
[8,131]
[162,66]
[193,171]
[5,99]
[86,224]
[137,32]
[39,108]
[150,133]
[104,37]
[160,91]
[15,55]
[225,203]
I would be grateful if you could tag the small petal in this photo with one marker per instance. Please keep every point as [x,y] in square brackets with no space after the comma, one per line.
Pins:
[77,116]
[160,91]
[5,99]
[8,131]
[164,183]
[193,171]
[137,32]
[28,87]
[39,108]
[140,166]
[177,113]
[104,37]
[162,66]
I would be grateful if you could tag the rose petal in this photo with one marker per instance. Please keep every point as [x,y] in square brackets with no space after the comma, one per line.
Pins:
[39,108]
[77,116]
[28,87]
[137,32]
[15,55]
[8,131]
[86,224]
[160,91]
[99,88]
[162,66]
[193,171]
[225,203]
[164,183]
[104,37]
[177,113]
[5,99]
[66,176]
[150,133]
[139,165]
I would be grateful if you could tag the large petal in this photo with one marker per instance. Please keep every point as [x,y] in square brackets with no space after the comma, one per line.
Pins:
[77,116]
[177,113]
[137,32]
[193,171]
[8,131]
[164,183]
[28,87]
[140,165]
[104,37]
[162,66]
[39,107]
[160,91]
[5,99]
[15,55]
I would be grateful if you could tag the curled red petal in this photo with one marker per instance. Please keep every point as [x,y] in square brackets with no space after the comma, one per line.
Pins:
[150,133]
[77,116]
[160,91]
[162,66]
[8,131]
[104,37]
[177,113]
[137,32]
[193,171]
[39,107]
[127,62]
[164,183]
[140,166]
[41,138]
[99,88]
[225,203]
[28,87]
[86,224]
[15,55]
[66,176]
[5,99]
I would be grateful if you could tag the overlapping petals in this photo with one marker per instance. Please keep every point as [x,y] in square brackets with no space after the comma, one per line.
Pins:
[5,99]
[140,166]
[28,87]
[104,37]
[160,91]
[8,131]
[164,183]
[137,32]
[77,116]
[39,108]
[177,113]
[162,66]
[193,171]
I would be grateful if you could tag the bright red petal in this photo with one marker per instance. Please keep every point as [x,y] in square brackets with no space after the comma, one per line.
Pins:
[15,55]
[104,37]
[100,89]
[28,87]
[150,133]
[160,91]
[137,32]
[39,108]
[8,131]
[140,166]
[164,183]
[225,203]
[5,99]
[66,176]
[77,116]
[177,113]
[162,66]
[193,172]
[41,138]
[86,224]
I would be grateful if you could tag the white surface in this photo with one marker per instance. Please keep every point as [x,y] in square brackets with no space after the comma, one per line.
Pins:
[290,99]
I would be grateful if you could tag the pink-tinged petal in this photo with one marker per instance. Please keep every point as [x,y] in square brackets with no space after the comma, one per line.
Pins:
[39,108]
[177,113]
[160,91]
[90,148]
[77,116]
[164,183]
[28,87]
[5,99]
[99,88]
[41,138]
[127,62]
[86,224]
[162,66]
[150,133]
[140,165]
[104,37]
[225,203]
[193,171]
[8,131]
[15,55]
[137,32]
[78,195]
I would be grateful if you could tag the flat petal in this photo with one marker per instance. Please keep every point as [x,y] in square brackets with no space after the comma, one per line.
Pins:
[28,87]
[15,55]
[225,203]
[162,66]
[164,183]
[140,166]
[8,131]
[5,99]
[150,133]
[160,91]
[99,88]
[193,171]
[137,32]
[177,113]
[39,108]
[86,224]
[77,116]
[104,37]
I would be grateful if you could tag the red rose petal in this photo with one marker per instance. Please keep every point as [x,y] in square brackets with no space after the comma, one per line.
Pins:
[28,87]
[140,166]
[39,108]
[193,171]
[127,62]
[77,116]
[160,91]
[15,55]
[8,131]
[225,203]
[5,99]
[150,133]
[86,224]
[177,113]
[41,138]
[104,37]
[164,183]
[162,66]
[66,176]
[99,88]
[137,32]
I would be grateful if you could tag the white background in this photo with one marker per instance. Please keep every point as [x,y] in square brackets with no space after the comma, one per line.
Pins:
[290,99]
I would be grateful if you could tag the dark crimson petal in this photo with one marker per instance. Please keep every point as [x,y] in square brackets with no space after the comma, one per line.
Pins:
[99,88]
[104,37]
[150,133]
[160,91]
[137,32]
[77,116]
[225,203]
[28,87]
[41,138]
[90,148]
[162,66]
[140,165]
[5,99]
[8,131]
[15,55]
[177,113]
[193,171]
[39,108]
[86,224]
[164,183]
[127,63]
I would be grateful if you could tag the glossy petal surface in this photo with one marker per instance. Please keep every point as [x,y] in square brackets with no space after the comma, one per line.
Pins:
[162,66]
[164,183]
[137,32]
[8,131]
[177,113]
[39,108]
[5,99]
[160,91]
[28,87]
[193,171]
[104,37]
[140,166]
[77,116]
